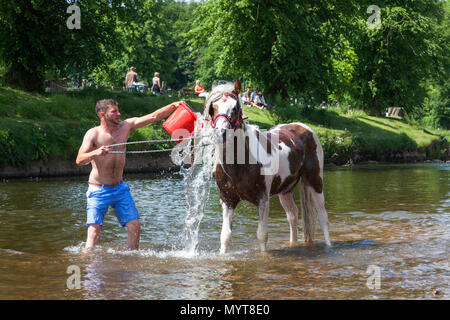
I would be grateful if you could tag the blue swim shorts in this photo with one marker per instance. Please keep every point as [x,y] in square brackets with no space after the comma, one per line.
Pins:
[100,198]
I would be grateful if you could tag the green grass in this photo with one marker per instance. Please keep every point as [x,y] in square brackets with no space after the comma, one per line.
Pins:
[346,133]
[39,127]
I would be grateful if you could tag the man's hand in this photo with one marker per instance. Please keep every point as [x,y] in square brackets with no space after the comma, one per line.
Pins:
[85,156]
[102,151]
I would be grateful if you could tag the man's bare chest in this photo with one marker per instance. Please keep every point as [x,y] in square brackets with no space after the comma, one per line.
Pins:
[108,138]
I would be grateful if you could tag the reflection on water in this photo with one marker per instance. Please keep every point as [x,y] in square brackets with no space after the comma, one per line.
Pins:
[393,217]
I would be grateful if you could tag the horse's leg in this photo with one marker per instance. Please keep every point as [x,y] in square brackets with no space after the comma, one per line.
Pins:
[262,233]
[225,236]
[288,203]
[319,201]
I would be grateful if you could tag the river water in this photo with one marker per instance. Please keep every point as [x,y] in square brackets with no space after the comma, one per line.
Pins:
[389,227]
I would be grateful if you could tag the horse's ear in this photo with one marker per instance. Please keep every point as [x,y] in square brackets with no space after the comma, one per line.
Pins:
[238,86]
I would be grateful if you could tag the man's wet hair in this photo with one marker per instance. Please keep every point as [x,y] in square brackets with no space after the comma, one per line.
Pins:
[103,105]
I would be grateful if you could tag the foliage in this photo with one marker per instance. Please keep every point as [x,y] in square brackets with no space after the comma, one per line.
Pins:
[34,38]
[393,61]
[324,50]
[151,38]
[310,51]
[283,45]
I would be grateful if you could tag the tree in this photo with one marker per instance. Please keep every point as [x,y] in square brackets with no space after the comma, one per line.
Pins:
[34,38]
[284,45]
[151,38]
[324,48]
[396,59]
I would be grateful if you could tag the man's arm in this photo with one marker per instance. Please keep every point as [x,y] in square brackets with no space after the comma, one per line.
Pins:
[158,115]
[87,152]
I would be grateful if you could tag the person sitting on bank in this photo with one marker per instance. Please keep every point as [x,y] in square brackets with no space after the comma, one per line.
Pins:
[245,99]
[259,101]
[253,95]
[200,90]
[106,185]
[130,79]
[249,93]
[156,88]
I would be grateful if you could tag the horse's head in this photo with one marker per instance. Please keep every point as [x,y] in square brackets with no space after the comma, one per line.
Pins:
[223,107]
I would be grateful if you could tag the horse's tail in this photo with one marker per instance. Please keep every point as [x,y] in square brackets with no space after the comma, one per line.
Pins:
[312,198]
[309,212]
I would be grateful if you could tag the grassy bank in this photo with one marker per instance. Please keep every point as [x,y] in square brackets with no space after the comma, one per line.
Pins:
[39,127]
[353,136]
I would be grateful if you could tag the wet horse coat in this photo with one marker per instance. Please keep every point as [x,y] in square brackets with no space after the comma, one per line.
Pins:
[298,155]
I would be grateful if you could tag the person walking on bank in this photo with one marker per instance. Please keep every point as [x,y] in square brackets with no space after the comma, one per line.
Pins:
[156,87]
[106,185]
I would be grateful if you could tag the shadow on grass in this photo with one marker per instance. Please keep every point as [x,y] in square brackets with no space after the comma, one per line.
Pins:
[366,137]
[382,123]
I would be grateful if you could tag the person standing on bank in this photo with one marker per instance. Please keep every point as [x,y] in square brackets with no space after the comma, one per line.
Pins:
[156,87]
[131,78]
[106,185]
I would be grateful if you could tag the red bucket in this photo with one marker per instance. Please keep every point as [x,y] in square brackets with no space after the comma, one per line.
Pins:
[182,120]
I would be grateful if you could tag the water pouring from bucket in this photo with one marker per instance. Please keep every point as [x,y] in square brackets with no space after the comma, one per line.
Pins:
[183,124]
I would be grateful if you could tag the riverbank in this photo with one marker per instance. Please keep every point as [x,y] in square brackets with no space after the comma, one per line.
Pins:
[40,134]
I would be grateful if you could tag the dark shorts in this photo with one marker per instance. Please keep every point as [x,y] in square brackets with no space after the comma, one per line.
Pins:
[156,89]
[100,198]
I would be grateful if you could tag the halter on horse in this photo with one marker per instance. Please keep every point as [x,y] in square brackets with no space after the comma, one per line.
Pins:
[294,153]
[233,124]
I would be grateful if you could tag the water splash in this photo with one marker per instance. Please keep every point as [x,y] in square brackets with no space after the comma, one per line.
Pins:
[198,178]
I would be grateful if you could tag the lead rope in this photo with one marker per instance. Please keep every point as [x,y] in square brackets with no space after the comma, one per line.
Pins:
[152,141]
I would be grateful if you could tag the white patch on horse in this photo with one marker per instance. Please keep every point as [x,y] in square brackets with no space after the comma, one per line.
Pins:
[278,159]
[283,158]
[223,105]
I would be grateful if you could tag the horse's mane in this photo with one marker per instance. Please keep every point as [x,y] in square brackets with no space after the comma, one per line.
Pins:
[215,95]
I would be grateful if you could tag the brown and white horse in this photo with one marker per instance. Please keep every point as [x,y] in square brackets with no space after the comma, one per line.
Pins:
[261,164]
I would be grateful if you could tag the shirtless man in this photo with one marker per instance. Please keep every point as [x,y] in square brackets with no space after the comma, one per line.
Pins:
[106,187]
